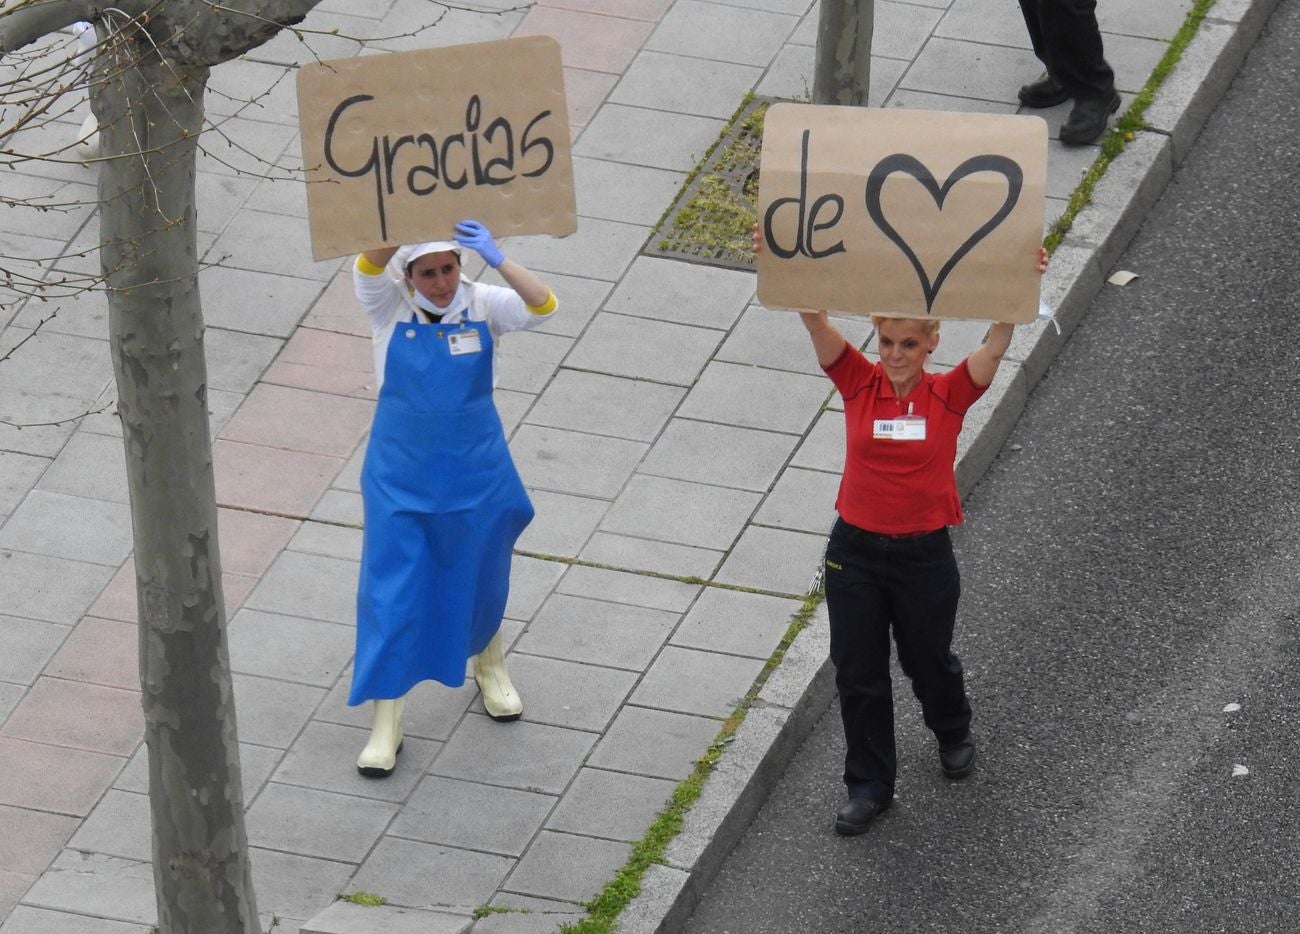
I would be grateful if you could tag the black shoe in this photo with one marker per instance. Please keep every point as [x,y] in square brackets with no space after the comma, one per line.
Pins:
[1087,120]
[958,759]
[857,814]
[1045,92]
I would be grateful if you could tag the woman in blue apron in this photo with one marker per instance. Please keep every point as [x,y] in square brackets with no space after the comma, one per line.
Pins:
[444,504]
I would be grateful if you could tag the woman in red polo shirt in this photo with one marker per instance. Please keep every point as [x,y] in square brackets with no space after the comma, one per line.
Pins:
[889,562]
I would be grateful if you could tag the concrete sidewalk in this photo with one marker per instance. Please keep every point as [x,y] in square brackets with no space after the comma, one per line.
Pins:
[671,432]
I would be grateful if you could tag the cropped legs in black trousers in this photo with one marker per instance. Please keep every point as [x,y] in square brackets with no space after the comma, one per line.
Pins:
[876,583]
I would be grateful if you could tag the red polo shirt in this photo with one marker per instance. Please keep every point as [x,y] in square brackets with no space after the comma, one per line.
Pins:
[896,487]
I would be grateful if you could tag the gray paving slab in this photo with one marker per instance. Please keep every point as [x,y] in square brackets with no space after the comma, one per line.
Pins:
[773,559]
[83,363]
[531,580]
[273,712]
[324,758]
[10,695]
[596,632]
[414,24]
[90,466]
[265,242]
[25,418]
[651,138]
[529,756]
[684,84]
[562,525]
[688,293]
[641,348]
[236,360]
[691,681]
[317,823]
[26,920]
[340,506]
[802,501]
[472,816]
[736,622]
[331,541]
[650,556]
[568,694]
[777,340]
[635,589]
[617,406]
[288,647]
[900,30]
[432,710]
[561,865]
[617,191]
[346,918]
[70,527]
[680,511]
[26,646]
[578,297]
[573,462]
[823,447]
[299,886]
[986,22]
[601,249]
[968,69]
[754,397]
[310,586]
[542,918]
[614,805]
[723,455]
[414,874]
[692,28]
[53,589]
[654,743]
[98,886]
[118,826]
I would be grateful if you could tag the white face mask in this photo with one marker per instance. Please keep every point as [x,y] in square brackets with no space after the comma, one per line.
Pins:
[429,306]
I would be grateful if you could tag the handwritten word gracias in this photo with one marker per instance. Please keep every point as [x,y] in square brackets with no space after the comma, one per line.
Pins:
[487,157]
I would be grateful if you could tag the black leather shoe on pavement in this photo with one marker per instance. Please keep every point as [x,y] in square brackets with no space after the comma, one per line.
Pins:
[1045,92]
[958,759]
[857,814]
[1087,120]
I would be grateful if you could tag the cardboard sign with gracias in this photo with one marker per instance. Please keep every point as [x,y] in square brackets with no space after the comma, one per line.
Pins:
[901,213]
[400,147]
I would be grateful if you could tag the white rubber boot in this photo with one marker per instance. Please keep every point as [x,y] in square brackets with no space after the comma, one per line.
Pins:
[499,696]
[379,758]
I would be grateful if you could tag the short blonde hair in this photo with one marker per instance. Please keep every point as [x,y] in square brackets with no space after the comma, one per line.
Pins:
[928,325]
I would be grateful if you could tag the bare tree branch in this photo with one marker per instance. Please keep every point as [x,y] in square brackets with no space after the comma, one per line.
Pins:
[25,21]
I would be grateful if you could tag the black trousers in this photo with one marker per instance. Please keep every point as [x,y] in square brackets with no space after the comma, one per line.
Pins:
[1067,40]
[875,583]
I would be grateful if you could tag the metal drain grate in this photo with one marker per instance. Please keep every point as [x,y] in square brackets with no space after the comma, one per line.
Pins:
[711,220]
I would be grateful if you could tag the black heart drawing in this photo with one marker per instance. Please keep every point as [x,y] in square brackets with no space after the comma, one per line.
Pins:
[901,162]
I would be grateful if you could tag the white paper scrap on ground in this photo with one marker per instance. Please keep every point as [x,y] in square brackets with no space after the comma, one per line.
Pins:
[1231,708]
[1047,313]
[1239,770]
[1122,277]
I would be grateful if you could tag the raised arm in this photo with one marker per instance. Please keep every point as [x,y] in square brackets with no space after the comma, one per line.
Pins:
[983,361]
[379,258]
[827,340]
[535,293]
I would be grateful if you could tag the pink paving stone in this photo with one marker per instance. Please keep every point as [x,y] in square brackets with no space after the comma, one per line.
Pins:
[584,92]
[588,40]
[236,588]
[288,483]
[649,10]
[32,839]
[300,420]
[337,308]
[84,716]
[250,541]
[99,651]
[326,362]
[54,778]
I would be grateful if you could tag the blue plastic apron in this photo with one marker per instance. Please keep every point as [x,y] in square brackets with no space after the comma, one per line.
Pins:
[444,506]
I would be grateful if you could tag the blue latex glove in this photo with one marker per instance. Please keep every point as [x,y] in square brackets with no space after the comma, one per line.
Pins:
[479,239]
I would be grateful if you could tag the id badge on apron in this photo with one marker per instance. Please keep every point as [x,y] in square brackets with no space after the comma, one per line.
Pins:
[464,341]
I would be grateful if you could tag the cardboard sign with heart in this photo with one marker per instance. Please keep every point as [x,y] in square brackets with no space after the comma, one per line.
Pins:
[901,213]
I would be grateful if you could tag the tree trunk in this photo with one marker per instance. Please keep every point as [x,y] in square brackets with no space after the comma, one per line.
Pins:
[151,110]
[842,73]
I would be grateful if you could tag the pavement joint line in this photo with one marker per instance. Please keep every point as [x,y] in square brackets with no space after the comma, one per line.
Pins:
[659,575]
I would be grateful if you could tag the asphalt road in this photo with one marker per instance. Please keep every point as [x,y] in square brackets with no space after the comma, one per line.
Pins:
[1131,569]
